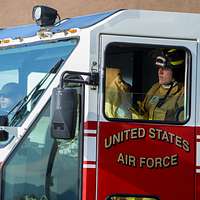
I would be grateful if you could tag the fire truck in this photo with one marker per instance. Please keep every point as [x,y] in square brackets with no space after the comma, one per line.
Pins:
[58,140]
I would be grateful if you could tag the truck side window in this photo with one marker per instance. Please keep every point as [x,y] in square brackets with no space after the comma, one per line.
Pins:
[131,197]
[146,83]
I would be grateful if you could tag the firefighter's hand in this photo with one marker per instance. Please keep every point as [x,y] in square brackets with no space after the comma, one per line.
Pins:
[135,114]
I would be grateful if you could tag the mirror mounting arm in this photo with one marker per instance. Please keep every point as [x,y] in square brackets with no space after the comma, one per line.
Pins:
[92,78]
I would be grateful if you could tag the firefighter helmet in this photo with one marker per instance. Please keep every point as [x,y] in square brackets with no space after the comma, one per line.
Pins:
[172,58]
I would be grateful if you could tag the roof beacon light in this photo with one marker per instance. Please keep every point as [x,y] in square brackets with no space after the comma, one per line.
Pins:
[44,16]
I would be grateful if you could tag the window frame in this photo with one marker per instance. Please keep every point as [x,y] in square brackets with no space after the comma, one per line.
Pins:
[187,81]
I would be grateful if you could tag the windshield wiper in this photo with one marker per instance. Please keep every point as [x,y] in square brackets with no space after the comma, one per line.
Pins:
[34,93]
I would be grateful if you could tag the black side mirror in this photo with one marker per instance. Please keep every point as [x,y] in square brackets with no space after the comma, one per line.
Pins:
[3,135]
[3,120]
[64,103]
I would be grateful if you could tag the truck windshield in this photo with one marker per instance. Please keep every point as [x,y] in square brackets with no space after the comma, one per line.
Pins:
[22,69]
[40,170]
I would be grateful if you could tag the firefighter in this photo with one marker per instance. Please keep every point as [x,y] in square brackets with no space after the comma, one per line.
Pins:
[9,95]
[118,95]
[165,99]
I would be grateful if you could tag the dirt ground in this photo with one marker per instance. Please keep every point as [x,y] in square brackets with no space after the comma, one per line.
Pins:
[19,12]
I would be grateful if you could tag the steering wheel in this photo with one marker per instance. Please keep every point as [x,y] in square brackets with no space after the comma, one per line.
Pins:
[178,113]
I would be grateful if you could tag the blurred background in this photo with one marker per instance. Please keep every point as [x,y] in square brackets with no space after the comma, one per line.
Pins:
[19,12]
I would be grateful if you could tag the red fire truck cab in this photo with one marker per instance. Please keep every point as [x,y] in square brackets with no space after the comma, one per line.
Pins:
[80,128]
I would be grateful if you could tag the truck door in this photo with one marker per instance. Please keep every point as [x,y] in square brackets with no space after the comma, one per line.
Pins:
[146,152]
